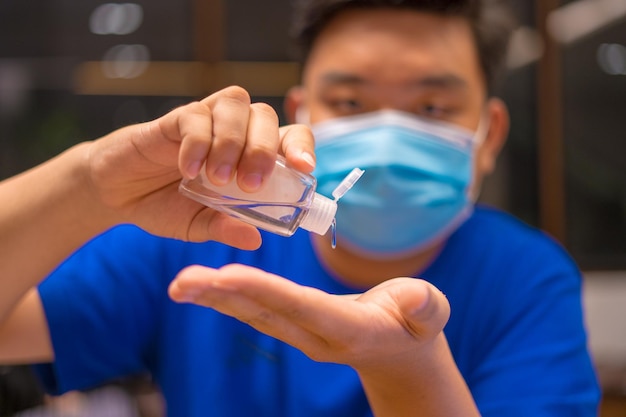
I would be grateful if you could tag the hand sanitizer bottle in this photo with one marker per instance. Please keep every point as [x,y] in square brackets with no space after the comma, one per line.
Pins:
[287,201]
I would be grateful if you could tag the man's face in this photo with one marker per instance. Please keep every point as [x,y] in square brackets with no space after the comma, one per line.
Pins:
[421,63]
[367,60]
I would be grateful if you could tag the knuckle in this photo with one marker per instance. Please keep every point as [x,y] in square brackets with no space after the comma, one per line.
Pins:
[265,109]
[229,139]
[236,93]
[192,111]
[260,152]
[292,311]
[192,108]
[260,320]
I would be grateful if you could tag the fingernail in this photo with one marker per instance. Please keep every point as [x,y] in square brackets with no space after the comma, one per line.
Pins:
[421,305]
[193,169]
[308,158]
[223,173]
[253,181]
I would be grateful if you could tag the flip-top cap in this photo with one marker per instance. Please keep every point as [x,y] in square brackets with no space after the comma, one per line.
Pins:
[320,215]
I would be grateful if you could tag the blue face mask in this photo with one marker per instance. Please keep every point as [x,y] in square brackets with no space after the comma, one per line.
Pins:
[416,187]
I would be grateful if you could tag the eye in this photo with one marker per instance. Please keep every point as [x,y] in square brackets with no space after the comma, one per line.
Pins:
[345,106]
[433,111]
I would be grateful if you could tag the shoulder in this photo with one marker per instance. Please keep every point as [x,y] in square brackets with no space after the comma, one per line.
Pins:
[506,234]
[502,253]
[494,222]
[516,306]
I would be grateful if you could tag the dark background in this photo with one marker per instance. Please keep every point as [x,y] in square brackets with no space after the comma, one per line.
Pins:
[47,103]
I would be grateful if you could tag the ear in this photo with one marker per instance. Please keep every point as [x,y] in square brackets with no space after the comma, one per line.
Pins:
[293,99]
[496,135]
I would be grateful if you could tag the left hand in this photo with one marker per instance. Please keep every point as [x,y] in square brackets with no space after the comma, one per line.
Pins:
[382,327]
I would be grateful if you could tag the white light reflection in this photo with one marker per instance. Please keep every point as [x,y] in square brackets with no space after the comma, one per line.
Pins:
[612,58]
[573,21]
[526,46]
[116,18]
[125,61]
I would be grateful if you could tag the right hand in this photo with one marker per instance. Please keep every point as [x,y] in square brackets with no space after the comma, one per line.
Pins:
[135,171]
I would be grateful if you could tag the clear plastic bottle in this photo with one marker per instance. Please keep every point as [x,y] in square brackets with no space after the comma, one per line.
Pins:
[287,201]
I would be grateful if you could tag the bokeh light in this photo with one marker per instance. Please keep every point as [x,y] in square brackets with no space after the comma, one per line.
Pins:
[116,19]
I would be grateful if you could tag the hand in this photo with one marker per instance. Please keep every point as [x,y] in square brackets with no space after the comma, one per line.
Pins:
[381,328]
[135,171]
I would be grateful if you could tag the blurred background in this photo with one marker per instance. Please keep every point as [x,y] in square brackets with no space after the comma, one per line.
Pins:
[74,70]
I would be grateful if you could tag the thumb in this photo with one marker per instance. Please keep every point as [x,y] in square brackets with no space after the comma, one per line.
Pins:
[425,308]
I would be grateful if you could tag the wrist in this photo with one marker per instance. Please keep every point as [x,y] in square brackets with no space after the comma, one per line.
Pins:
[77,192]
[420,360]
[429,379]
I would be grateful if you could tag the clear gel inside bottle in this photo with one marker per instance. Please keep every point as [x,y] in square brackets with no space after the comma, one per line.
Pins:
[285,202]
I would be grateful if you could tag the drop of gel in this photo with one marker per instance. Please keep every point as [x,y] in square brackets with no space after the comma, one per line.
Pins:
[339,191]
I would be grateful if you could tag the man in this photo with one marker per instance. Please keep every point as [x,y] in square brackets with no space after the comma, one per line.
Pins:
[400,89]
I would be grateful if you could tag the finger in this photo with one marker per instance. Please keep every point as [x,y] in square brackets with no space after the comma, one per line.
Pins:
[210,288]
[209,224]
[195,126]
[182,136]
[425,309]
[230,109]
[298,146]
[247,281]
[262,141]
[307,308]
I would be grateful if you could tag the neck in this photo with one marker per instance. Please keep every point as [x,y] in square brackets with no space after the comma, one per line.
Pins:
[363,273]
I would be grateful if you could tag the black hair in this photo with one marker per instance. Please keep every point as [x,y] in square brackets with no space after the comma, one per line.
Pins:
[490,20]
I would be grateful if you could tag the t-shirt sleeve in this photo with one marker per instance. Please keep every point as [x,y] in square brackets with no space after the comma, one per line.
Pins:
[101,308]
[534,359]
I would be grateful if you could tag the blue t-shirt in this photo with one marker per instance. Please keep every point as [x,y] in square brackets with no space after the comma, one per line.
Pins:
[516,328]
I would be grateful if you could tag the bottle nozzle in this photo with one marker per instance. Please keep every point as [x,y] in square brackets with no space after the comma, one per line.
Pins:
[347,183]
[321,214]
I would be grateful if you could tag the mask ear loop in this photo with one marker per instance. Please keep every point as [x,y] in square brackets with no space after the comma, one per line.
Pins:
[473,191]
[482,130]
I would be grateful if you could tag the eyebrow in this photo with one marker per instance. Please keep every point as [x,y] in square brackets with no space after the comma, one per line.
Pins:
[442,81]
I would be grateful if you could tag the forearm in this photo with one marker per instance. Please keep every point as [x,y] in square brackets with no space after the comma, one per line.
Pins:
[46,213]
[427,384]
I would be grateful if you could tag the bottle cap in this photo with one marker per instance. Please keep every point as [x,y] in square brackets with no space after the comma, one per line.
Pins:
[320,215]
[347,183]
